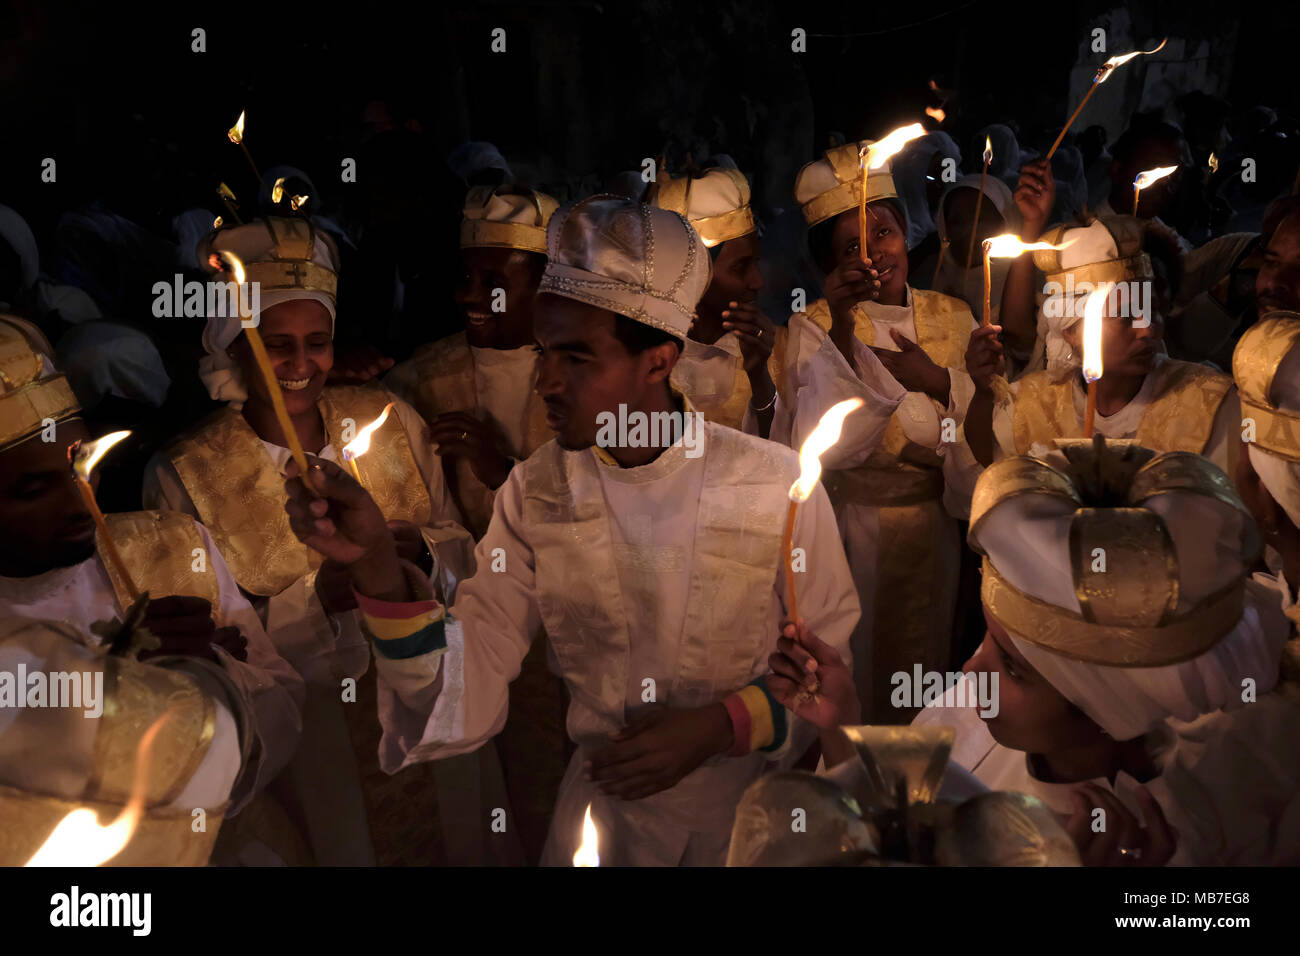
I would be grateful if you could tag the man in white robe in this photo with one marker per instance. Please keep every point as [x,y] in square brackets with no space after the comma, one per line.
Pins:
[654,563]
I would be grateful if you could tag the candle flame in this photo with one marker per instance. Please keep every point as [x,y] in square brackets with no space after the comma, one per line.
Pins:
[876,154]
[236,132]
[936,113]
[277,191]
[1214,163]
[1008,246]
[224,261]
[85,455]
[587,853]
[826,434]
[216,223]
[225,192]
[988,151]
[297,202]
[1104,71]
[1092,324]
[80,840]
[361,444]
[1149,176]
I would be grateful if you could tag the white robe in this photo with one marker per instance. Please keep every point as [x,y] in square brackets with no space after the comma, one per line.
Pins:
[651,514]
[1229,781]
[817,377]
[706,374]
[83,594]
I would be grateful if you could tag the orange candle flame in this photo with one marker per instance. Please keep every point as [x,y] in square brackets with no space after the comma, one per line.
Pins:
[236,132]
[1106,69]
[80,840]
[936,113]
[361,444]
[277,191]
[86,455]
[825,435]
[1092,325]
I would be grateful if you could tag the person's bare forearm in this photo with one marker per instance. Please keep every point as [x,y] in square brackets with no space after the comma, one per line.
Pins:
[979,427]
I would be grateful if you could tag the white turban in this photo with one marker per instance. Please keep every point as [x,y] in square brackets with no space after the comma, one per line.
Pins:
[1027,540]
[251,243]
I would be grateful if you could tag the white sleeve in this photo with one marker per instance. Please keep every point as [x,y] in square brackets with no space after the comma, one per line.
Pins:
[449,702]
[824,379]
[274,690]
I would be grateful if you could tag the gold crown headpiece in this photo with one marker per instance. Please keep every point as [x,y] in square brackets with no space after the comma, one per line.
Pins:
[846,163]
[475,230]
[675,196]
[1130,264]
[28,401]
[292,263]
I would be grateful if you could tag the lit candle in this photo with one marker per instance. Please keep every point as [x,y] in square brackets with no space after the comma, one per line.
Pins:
[1092,367]
[361,444]
[236,267]
[228,197]
[79,840]
[83,456]
[1005,246]
[236,136]
[1146,178]
[1103,74]
[873,157]
[587,853]
[979,201]
[826,434]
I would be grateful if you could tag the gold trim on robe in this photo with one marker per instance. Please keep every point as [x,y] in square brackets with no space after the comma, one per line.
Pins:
[158,550]
[1179,418]
[730,409]
[240,499]
[445,383]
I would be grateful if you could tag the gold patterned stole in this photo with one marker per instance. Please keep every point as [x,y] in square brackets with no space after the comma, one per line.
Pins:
[730,409]
[445,383]
[136,695]
[900,471]
[164,554]
[1180,416]
[240,498]
[734,558]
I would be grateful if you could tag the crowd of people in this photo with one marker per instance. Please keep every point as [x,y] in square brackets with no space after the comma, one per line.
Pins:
[507,618]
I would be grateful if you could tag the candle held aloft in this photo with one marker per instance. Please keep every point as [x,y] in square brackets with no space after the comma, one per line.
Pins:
[1103,74]
[82,457]
[1005,246]
[874,156]
[1093,315]
[236,135]
[1146,178]
[979,202]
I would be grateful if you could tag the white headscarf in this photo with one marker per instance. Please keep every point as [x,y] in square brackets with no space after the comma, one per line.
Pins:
[1027,539]
[952,277]
[1087,244]
[252,243]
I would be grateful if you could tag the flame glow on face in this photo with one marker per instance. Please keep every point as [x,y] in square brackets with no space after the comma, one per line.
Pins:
[79,840]
[587,853]
[236,132]
[936,113]
[1008,246]
[826,434]
[1104,72]
[879,152]
[988,151]
[361,444]
[87,454]
[1149,176]
[277,191]
[1093,314]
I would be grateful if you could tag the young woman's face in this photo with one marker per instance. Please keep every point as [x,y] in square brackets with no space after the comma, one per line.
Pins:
[886,247]
[299,340]
[1032,715]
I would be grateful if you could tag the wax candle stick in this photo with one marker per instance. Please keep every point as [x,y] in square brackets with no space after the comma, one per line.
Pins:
[979,202]
[873,156]
[236,136]
[82,457]
[1103,74]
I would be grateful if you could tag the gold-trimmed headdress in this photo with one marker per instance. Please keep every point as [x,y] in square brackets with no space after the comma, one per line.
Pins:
[831,185]
[1128,263]
[1127,581]
[716,202]
[280,254]
[1259,353]
[506,217]
[29,395]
